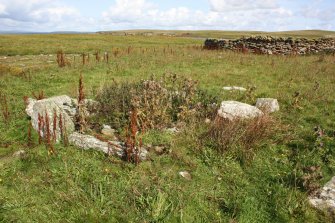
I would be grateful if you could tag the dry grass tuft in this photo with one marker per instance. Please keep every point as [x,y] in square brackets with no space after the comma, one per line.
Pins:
[61,58]
[241,137]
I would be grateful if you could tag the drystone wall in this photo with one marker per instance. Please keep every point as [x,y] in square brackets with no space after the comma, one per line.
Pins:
[272,45]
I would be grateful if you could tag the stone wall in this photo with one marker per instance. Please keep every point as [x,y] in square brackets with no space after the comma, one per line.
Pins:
[272,45]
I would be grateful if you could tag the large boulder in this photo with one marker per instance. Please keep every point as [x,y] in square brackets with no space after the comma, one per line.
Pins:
[268,105]
[111,147]
[47,109]
[232,110]
[325,199]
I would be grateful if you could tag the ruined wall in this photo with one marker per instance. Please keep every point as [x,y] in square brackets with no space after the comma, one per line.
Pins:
[272,45]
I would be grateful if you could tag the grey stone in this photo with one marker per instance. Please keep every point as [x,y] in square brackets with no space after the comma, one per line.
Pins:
[108,131]
[47,107]
[186,175]
[19,153]
[172,130]
[234,88]
[268,105]
[272,45]
[232,110]
[111,147]
[325,199]
[30,104]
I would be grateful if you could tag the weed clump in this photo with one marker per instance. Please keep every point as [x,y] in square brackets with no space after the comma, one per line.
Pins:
[160,103]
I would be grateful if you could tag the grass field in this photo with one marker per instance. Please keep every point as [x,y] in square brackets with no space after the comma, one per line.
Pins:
[87,186]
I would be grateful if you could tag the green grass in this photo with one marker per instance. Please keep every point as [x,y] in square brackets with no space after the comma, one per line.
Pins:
[86,186]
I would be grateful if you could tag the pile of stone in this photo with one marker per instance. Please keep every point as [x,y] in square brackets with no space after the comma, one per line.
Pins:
[272,45]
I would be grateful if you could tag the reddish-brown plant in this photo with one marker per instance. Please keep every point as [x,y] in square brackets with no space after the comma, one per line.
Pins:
[133,147]
[4,107]
[40,128]
[97,56]
[25,99]
[61,126]
[54,130]
[81,95]
[47,129]
[61,58]
[48,142]
[39,95]
[81,116]
[83,58]
[65,137]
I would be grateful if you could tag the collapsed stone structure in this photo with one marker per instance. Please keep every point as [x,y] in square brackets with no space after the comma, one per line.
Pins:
[272,45]
[65,109]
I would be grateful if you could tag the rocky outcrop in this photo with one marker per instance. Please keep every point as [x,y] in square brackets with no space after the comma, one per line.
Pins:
[325,199]
[272,45]
[233,110]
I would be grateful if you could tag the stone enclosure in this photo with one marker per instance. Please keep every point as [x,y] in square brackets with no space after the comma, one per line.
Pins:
[67,108]
[272,45]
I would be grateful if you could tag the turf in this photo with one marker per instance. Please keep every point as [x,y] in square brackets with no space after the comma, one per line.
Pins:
[87,186]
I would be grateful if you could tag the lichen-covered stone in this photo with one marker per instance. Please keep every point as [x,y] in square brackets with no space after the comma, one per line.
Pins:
[48,107]
[232,110]
[325,199]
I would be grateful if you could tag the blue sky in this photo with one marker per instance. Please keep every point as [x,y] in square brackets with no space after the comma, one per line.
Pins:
[85,15]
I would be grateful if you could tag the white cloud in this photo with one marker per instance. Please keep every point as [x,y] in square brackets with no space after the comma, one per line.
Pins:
[143,14]
[27,14]
[235,5]
[56,14]
[271,15]
[321,14]
[2,9]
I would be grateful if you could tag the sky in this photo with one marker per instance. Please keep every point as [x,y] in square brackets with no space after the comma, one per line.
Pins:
[106,15]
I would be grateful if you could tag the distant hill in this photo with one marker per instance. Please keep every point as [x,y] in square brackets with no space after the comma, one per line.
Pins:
[195,34]
[221,34]
[55,32]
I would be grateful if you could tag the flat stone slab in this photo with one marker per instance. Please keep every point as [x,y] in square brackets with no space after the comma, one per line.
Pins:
[234,88]
[111,147]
